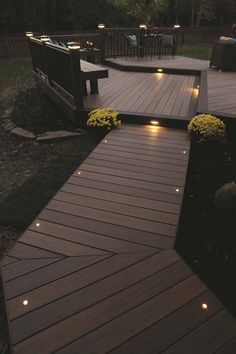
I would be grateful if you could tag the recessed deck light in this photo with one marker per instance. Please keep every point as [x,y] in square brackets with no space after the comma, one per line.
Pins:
[204,306]
[79,173]
[154,122]
[177,190]
[25,302]
[105,141]
[37,224]
[160,70]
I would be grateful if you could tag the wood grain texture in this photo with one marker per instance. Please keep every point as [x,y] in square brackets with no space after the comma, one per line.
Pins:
[97,266]
[143,93]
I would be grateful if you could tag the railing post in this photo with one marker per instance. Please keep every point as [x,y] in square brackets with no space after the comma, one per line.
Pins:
[142,30]
[30,35]
[44,40]
[76,75]
[176,28]
[102,33]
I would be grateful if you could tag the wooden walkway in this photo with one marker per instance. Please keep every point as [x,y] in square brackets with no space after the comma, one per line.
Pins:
[96,272]
[221,85]
[150,94]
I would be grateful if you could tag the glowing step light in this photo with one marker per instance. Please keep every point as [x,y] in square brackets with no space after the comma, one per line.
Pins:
[154,122]
[160,70]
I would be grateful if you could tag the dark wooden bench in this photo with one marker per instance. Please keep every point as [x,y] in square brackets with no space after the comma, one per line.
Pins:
[62,75]
[92,73]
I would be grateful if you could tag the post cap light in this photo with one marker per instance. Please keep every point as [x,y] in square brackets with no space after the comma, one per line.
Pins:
[29,34]
[73,45]
[142,26]
[44,38]
[177,26]
[101,25]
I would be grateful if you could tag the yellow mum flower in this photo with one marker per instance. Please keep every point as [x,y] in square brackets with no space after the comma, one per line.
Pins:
[207,127]
[103,117]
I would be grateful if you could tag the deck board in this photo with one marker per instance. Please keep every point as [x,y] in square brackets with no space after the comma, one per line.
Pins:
[143,93]
[221,87]
[98,267]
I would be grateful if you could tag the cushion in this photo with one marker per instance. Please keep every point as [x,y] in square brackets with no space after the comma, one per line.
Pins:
[227,39]
[132,40]
[62,44]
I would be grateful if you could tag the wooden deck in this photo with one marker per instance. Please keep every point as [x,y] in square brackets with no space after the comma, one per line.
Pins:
[221,85]
[151,94]
[97,271]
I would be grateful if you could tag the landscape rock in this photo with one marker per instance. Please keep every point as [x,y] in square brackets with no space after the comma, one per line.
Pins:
[23,133]
[60,134]
[8,125]
[7,113]
[225,197]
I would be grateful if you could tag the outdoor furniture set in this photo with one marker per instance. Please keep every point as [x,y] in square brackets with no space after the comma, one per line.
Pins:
[150,44]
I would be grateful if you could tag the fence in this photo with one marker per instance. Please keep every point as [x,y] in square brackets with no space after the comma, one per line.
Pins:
[15,46]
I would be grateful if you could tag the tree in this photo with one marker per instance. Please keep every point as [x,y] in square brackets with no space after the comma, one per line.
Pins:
[144,10]
[205,11]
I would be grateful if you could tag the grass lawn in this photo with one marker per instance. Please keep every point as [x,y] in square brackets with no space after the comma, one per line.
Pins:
[198,51]
[13,71]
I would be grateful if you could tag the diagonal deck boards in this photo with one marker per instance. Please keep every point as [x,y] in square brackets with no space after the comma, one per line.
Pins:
[98,268]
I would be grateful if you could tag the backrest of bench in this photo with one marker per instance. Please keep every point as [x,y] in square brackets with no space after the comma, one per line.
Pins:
[59,73]
[59,67]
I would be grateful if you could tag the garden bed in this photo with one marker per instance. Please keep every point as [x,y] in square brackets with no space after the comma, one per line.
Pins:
[207,236]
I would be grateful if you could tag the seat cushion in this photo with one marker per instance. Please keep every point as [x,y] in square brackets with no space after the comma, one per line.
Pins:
[132,40]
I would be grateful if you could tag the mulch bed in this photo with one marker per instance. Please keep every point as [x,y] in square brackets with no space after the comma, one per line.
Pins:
[207,236]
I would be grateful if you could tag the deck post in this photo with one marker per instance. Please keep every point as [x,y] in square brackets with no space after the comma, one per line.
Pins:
[44,40]
[30,35]
[102,33]
[75,73]
[142,31]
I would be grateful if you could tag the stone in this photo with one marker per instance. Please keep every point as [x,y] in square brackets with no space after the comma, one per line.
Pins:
[52,135]
[8,125]
[23,133]
[7,113]
[225,197]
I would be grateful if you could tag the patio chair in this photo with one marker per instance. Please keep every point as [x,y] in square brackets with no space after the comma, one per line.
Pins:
[168,44]
[153,45]
[133,48]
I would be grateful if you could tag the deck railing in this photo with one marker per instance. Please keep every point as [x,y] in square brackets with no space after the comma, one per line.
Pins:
[58,72]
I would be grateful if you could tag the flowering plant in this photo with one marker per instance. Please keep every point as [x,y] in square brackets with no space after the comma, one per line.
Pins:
[103,117]
[207,127]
